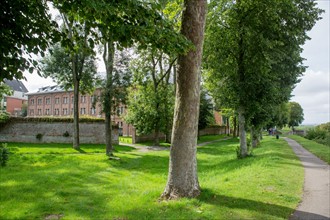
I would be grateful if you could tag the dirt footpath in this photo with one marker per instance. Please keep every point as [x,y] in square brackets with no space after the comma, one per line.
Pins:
[315,203]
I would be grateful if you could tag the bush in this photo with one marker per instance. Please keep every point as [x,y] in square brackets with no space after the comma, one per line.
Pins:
[39,136]
[4,154]
[66,134]
[4,117]
[320,134]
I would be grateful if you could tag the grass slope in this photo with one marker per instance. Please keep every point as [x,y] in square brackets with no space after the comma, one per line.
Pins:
[319,150]
[48,180]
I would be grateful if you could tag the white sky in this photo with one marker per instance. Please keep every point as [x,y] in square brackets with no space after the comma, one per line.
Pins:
[312,93]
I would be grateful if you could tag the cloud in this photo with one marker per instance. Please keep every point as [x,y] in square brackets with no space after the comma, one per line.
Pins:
[34,81]
[312,93]
[313,83]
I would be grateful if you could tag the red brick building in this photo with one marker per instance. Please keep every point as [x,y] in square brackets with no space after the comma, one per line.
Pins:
[14,103]
[53,101]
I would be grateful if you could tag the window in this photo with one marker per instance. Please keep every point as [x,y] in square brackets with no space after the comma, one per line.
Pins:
[57,100]
[120,124]
[83,99]
[65,100]
[93,111]
[56,111]
[47,112]
[92,98]
[32,101]
[65,111]
[31,111]
[83,111]
[39,111]
[47,101]
[39,101]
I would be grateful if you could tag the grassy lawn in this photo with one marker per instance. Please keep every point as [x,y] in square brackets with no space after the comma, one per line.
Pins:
[202,139]
[207,138]
[127,140]
[54,180]
[319,150]
[151,143]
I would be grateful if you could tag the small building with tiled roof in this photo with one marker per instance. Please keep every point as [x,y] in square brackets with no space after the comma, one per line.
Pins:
[15,102]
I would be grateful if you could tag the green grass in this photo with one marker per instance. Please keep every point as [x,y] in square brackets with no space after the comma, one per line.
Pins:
[151,143]
[207,138]
[319,150]
[127,140]
[44,180]
[202,139]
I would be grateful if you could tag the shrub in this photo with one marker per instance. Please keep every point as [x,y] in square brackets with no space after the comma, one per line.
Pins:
[4,154]
[39,136]
[320,134]
[66,134]
[4,117]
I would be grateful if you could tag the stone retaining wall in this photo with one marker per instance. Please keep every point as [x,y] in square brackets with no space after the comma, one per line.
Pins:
[54,132]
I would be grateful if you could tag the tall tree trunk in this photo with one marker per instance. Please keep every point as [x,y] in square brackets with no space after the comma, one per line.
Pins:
[108,58]
[227,126]
[235,127]
[167,121]
[157,123]
[254,137]
[76,80]
[242,133]
[156,136]
[182,177]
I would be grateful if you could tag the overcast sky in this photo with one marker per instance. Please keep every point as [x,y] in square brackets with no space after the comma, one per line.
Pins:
[312,93]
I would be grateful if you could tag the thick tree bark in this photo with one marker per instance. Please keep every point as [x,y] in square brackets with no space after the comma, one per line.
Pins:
[108,58]
[182,179]
[242,133]
[76,142]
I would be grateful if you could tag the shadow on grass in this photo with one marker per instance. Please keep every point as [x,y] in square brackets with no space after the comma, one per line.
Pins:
[209,196]
[83,189]
[80,150]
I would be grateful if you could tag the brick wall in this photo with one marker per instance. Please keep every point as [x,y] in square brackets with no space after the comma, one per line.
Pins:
[214,130]
[14,105]
[53,132]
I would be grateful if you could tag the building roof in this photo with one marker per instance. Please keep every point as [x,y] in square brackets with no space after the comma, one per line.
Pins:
[16,85]
[48,89]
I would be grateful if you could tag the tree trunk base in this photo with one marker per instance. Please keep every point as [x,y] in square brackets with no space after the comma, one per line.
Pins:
[173,193]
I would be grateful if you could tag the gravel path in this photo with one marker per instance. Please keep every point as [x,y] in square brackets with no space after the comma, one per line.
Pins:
[155,148]
[315,203]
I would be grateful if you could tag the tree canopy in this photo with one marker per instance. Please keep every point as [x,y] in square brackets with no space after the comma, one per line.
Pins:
[296,114]
[252,53]
[57,64]
[26,28]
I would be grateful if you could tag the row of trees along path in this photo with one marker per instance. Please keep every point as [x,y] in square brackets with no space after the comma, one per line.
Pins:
[253,52]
